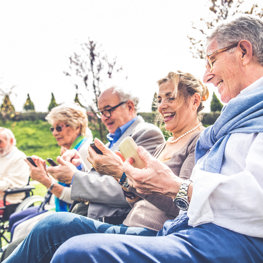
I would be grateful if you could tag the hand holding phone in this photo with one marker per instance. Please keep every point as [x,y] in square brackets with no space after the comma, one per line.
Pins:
[52,162]
[93,146]
[31,160]
[128,148]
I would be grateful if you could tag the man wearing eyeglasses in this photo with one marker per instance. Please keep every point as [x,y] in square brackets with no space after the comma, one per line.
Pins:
[118,111]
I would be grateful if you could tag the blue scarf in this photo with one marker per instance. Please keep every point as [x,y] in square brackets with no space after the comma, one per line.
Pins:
[243,114]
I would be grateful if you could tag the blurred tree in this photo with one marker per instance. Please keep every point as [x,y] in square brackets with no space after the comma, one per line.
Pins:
[215,104]
[154,103]
[218,11]
[29,105]
[7,91]
[52,103]
[7,108]
[7,105]
[88,69]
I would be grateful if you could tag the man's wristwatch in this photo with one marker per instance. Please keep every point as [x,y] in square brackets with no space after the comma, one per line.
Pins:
[181,199]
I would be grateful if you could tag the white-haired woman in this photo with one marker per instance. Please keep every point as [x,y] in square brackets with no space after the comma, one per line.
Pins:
[69,126]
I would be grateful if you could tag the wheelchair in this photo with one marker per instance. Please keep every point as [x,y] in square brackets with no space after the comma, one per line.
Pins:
[29,200]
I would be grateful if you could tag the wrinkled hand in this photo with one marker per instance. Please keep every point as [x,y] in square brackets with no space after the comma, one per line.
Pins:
[156,177]
[63,172]
[39,173]
[72,156]
[107,163]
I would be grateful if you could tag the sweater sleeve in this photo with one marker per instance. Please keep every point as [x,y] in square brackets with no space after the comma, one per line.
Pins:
[66,195]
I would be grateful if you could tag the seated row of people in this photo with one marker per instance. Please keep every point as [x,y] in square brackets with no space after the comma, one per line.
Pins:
[70,128]
[108,202]
[222,197]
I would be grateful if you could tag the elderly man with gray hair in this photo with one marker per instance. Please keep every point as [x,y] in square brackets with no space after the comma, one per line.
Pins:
[14,172]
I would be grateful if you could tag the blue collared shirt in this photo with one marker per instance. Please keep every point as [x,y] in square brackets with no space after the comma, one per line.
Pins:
[114,137]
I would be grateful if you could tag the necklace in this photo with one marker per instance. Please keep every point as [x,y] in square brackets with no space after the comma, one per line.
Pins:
[180,137]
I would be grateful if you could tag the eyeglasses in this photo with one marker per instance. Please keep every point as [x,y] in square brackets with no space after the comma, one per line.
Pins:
[211,58]
[58,128]
[107,112]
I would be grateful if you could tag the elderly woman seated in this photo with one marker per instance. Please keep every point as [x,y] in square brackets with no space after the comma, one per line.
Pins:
[69,126]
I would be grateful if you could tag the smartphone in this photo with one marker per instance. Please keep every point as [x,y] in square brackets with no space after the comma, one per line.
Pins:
[31,160]
[93,146]
[128,148]
[52,162]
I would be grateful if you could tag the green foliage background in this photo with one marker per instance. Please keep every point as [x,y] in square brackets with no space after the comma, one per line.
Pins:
[215,105]
[34,138]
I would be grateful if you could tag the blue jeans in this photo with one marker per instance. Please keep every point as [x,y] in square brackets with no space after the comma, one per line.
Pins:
[54,230]
[176,242]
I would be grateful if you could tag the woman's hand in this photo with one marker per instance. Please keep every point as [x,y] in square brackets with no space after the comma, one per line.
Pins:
[155,178]
[106,163]
[72,156]
[39,173]
[63,172]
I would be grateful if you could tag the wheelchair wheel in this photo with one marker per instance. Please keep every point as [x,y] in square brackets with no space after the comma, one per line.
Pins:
[34,200]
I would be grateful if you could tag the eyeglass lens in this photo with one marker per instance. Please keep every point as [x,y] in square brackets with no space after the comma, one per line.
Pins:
[58,128]
[107,113]
[221,50]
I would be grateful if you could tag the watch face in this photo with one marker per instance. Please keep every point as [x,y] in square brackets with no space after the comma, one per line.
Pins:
[182,204]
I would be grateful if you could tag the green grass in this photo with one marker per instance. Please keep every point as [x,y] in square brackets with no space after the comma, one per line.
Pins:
[40,189]
[34,138]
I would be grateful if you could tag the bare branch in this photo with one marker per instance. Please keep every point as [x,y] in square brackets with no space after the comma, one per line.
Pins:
[218,11]
[88,68]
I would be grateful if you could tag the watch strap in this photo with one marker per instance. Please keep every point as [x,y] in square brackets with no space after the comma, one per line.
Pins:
[181,199]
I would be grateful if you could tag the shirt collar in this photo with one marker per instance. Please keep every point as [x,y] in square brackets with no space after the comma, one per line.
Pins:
[113,137]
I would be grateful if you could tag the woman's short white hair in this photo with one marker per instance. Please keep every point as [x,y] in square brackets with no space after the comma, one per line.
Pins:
[8,134]
[71,114]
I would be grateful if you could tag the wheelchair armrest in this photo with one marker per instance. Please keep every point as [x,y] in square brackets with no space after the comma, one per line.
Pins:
[27,188]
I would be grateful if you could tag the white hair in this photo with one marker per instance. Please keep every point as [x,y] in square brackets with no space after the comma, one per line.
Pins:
[8,134]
